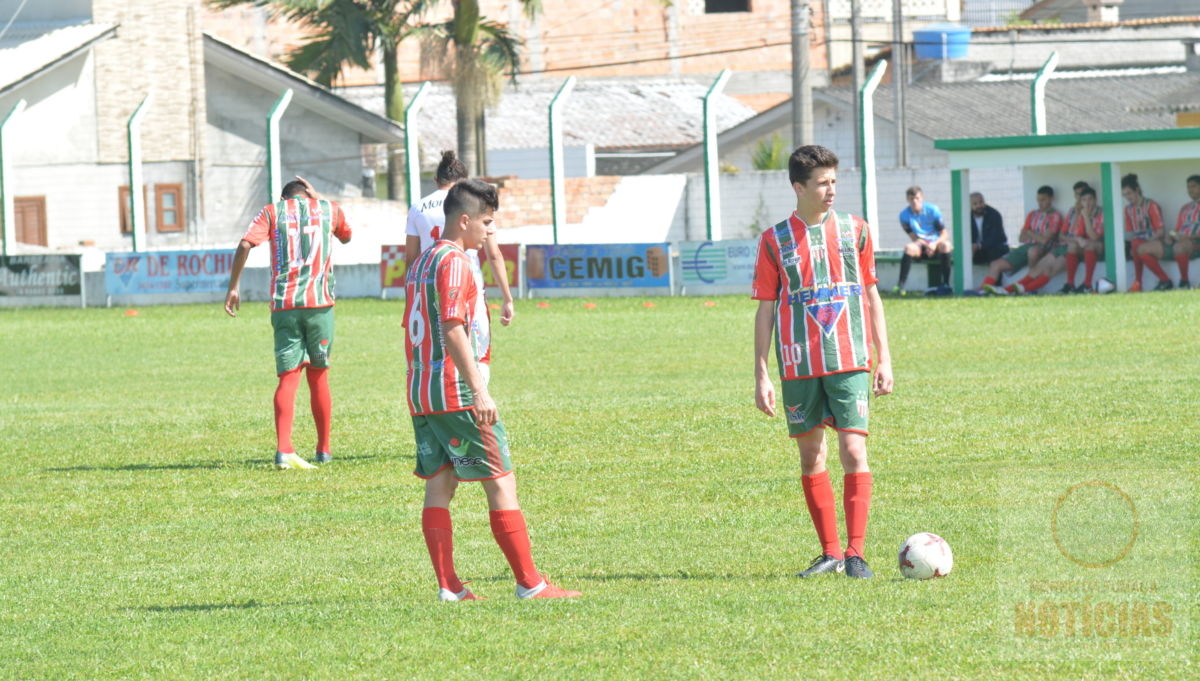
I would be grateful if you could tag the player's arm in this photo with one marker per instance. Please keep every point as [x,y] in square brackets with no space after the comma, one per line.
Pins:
[341,228]
[764,387]
[883,382]
[233,300]
[312,192]
[454,333]
[412,248]
[500,269]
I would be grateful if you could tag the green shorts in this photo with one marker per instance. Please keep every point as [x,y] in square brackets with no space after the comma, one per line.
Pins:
[477,451]
[1168,251]
[302,336]
[838,400]
[1060,251]
[1019,256]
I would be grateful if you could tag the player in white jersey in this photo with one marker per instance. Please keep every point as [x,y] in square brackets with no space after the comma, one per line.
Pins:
[427,219]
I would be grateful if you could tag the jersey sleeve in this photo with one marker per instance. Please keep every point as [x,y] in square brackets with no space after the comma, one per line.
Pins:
[1028,221]
[938,223]
[260,228]
[456,288]
[411,227]
[1156,218]
[341,228]
[766,271]
[1058,223]
[905,222]
[866,255]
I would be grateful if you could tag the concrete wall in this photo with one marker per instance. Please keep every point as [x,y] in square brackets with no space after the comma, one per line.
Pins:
[530,164]
[59,121]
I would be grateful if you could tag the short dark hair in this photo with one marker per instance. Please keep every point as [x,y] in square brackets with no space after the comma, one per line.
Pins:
[1047,190]
[1080,185]
[450,169]
[470,197]
[1193,178]
[293,188]
[808,158]
[1087,191]
[1130,181]
[911,192]
[979,194]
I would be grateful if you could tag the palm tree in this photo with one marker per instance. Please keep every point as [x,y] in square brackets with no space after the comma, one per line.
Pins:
[474,52]
[348,33]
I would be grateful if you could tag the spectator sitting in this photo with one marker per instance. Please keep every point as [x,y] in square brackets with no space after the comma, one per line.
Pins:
[1038,236]
[929,237]
[988,240]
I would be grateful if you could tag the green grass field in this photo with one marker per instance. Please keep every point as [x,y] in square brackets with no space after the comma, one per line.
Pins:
[144,534]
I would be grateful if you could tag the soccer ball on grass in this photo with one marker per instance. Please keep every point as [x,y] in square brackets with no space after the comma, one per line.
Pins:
[925,555]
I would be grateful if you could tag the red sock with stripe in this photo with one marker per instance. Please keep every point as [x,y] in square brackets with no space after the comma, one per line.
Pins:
[439,539]
[1072,268]
[285,409]
[856,500]
[1152,262]
[1181,259]
[989,281]
[322,405]
[1089,267]
[818,494]
[1037,282]
[1137,267]
[511,533]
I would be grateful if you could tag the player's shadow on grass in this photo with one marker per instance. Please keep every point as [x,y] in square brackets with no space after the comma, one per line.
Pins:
[260,462]
[207,607]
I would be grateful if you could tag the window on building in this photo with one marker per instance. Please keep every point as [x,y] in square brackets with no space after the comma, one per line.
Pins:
[123,202]
[168,207]
[717,6]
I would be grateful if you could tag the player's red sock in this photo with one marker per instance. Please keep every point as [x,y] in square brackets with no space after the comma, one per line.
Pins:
[1152,262]
[439,539]
[1025,282]
[1072,267]
[818,494]
[285,409]
[1137,261]
[1181,259]
[511,533]
[856,500]
[322,405]
[1089,267]
[989,281]
[1037,282]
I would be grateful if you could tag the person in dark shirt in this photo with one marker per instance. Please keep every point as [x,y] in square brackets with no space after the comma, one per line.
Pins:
[988,240]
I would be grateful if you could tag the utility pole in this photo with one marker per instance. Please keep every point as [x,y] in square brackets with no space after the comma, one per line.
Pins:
[802,128]
[899,74]
[857,68]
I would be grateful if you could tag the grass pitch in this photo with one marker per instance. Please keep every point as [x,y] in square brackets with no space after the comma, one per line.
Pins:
[144,534]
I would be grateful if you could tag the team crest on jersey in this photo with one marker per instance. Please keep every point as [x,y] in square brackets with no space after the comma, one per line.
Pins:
[452,294]
[826,315]
[795,414]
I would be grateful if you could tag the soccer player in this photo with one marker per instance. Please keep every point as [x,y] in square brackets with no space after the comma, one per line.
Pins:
[426,220]
[1187,230]
[815,282]
[456,423]
[929,238]
[1144,227]
[1038,236]
[1084,235]
[300,227]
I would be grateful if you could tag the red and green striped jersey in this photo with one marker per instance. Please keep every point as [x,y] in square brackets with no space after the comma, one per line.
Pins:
[1044,222]
[1143,218]
[301,232]
[1188,223]
[439,288]
[818,275]
[1079,223]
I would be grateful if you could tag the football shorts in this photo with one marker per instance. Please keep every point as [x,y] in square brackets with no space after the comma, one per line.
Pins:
[1019,256]
[837,400]
[302,336]
[476,451]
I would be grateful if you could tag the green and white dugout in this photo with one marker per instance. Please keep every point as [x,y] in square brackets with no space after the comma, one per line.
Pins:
[1162,159]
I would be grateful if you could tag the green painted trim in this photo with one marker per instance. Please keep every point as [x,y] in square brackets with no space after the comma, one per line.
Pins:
[137,218]
[866,140]
[412,161]
[1111,229]
[962,257]
[558,178]
[712,201]
[274,155]
[1037,95]
[1066,140]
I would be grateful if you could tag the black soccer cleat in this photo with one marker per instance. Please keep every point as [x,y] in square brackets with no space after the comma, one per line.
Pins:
[1084,288]
[1067,288]
[1164,285]
[857,567]
[821,565]
[1184,284]
[324,457]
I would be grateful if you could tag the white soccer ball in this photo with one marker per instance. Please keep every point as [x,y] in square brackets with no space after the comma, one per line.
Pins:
[925,555]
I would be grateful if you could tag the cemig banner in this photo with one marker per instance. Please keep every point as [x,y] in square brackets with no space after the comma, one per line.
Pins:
[392,268]
[167,272]
[598,265]
[717,263]
[40,275]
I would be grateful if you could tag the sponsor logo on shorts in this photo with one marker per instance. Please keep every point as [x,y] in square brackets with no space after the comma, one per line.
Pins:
[795,414]
[454,442]
[466,460]
[862,408]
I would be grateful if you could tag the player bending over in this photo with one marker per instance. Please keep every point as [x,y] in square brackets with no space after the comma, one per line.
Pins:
[815,282]
[457,426]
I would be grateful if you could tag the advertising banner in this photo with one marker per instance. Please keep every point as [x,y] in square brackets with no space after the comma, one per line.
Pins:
[40,275]
[391,266]
[167,272]
[717,263]
[598,266]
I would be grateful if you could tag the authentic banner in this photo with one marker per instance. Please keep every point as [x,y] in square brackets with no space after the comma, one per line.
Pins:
[40,275]
[717,263]
[598,266]
[392,270]
[167,272]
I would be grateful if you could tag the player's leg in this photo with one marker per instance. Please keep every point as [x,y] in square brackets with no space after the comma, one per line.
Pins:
[318,334]
[1135,255]
[1093,250]
[1149,253]
[943,252]
[1015,260]
[290,358]
[1184,248]
[1045,270]
[433,465]
[912,250]
[1074,250]
[848,395]
[804,406]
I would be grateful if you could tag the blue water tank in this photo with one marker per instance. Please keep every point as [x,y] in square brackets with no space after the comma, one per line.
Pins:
[942,41]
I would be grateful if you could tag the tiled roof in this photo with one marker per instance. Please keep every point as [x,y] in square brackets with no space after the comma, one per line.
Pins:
[660,114]
[30,47]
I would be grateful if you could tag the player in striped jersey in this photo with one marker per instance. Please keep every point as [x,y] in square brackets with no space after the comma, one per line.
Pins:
[1085,234]
[1144,229]
[456,423]
[301,227]
[1038,237]
[1187,231]
[815,282]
